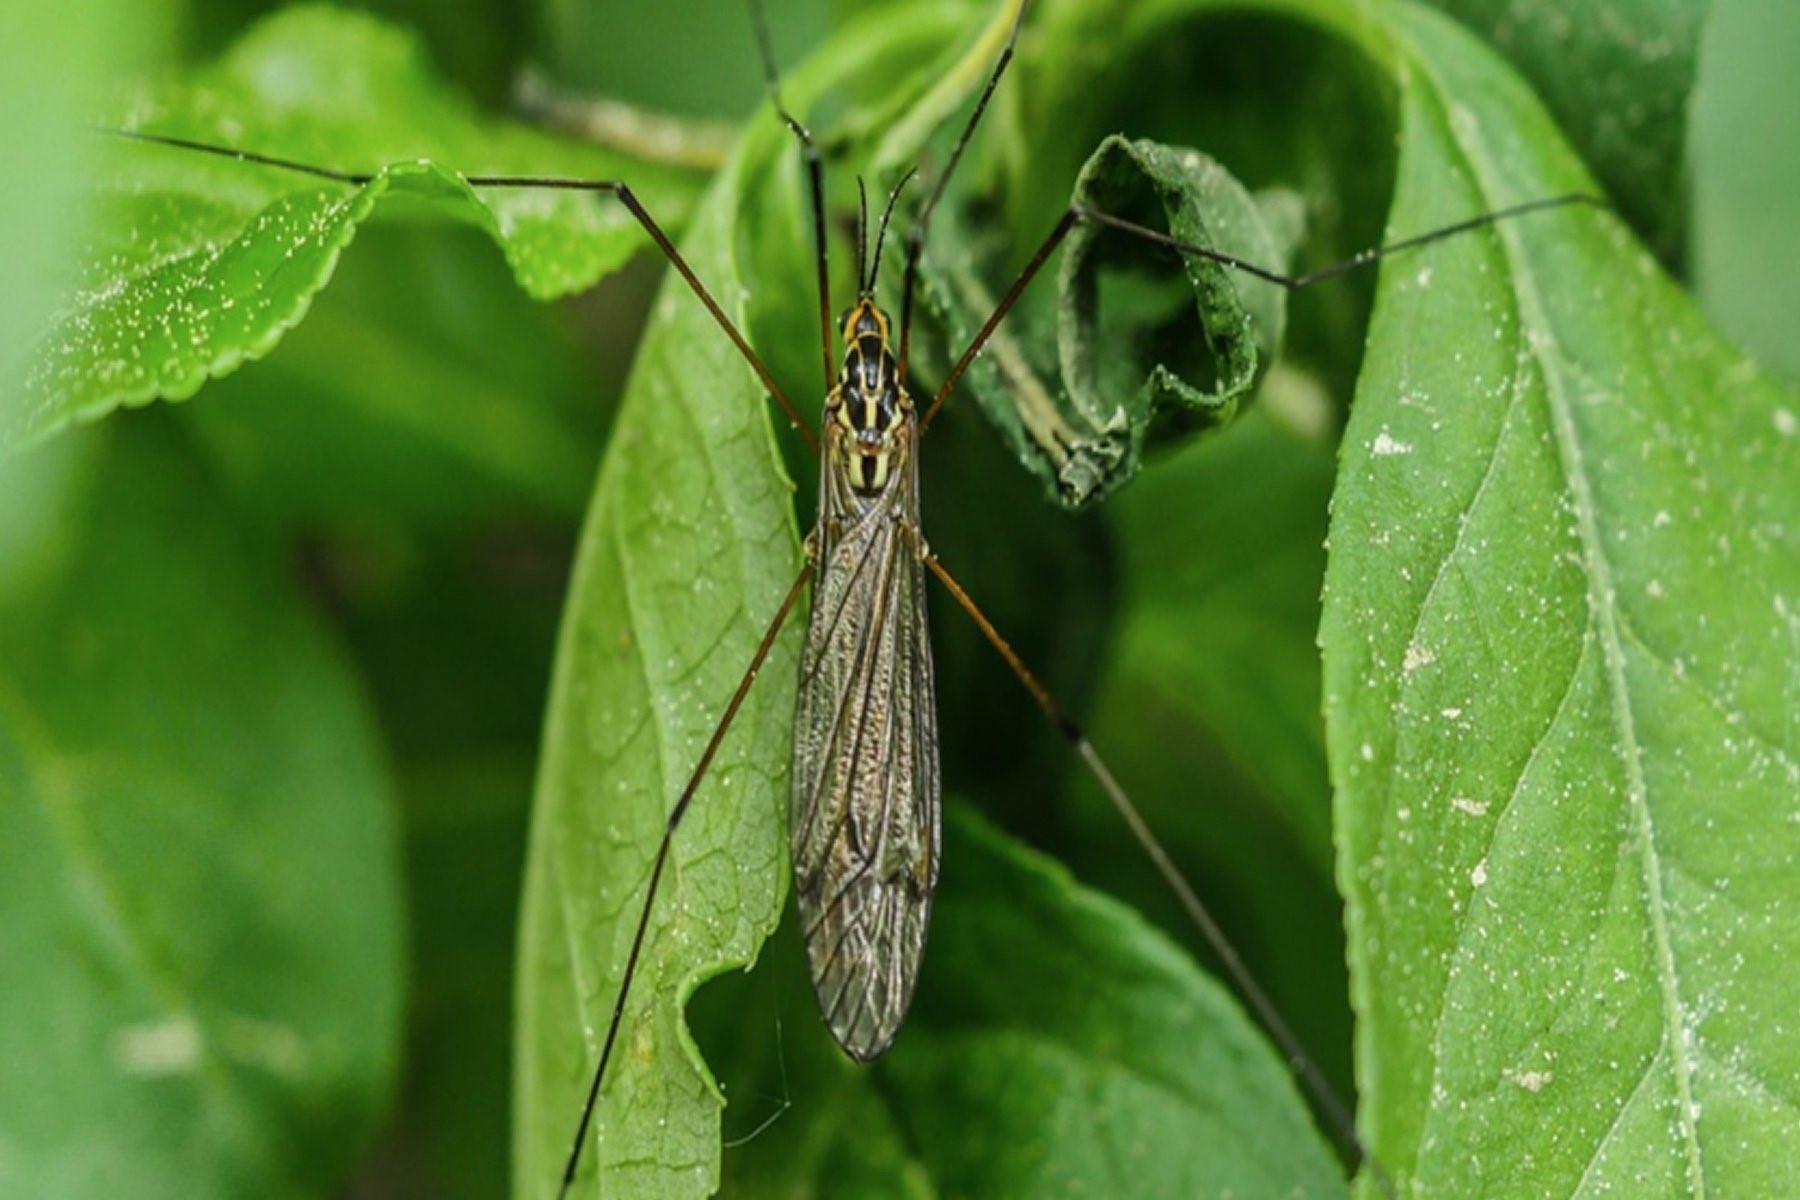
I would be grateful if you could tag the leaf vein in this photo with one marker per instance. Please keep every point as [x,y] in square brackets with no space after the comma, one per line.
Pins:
[1618,1121]
[1459,959]
[1733,716]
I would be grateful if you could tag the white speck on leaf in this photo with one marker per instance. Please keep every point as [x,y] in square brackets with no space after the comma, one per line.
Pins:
[1386,446]
[1475,808]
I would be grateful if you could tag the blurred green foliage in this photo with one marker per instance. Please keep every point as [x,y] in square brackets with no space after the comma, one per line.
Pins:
[347,562]
[1747,177]
[203,926]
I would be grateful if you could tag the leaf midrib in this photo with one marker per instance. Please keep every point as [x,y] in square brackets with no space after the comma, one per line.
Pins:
[1605,620]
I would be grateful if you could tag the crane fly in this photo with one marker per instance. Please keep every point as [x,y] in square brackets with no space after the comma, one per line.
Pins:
[864,816]
[865,794]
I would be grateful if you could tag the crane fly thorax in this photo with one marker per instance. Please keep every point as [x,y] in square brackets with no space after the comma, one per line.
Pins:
[868,413]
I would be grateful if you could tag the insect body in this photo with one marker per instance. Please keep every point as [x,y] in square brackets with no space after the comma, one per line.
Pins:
[864,815]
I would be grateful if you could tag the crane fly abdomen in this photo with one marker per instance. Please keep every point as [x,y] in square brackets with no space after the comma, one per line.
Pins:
[864,815]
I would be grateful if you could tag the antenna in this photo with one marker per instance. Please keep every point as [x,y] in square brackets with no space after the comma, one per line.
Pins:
[881,236]
[862,234]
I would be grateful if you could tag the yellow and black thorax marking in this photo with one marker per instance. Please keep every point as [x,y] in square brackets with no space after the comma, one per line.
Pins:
[867,410]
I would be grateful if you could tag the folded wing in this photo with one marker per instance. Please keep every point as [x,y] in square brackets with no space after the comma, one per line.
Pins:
[864,818]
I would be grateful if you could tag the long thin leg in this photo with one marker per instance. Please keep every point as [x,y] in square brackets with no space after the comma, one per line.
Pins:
[616,188]
[1336,1112]
[656,870]
[1293,283]
[915,236]
[815,170]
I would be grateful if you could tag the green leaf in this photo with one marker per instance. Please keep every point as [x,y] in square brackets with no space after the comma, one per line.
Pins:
[689,546]
[199,264]
[1618,76]
[1285,105]
[203,929]
[1124,350]
[1058,1046]
[1562,658]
